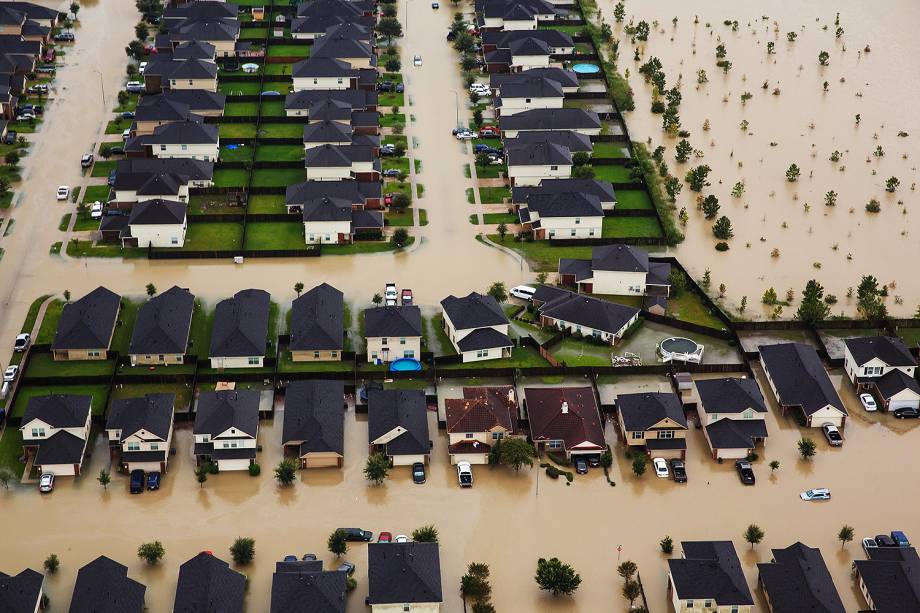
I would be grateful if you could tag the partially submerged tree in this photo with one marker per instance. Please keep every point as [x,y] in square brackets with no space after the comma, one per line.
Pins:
[377,468]
[151,553]
[337,543]
[243,550]
[753,535]
[425,534]
[556,577]
[813,308]
[516,452]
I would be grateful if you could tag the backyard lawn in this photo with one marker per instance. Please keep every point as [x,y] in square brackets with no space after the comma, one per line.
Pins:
[43,365]
[281,130]
[633,199]
[494,195]
[10,450]
[125,326]
[239,88]
[276,177]
[261,203]
[241,109]
[214,236]
[631,227]
[231,177]
[579,353]
[614,174]
[272,108]
[279,153]
[237,130]
[300,51]
[235,153]
[274,235]
[610,150]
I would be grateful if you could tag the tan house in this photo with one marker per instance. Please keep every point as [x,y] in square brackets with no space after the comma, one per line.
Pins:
[161,330]
[86,327]
[732,412]
[797,580]
[654,422]
[479,420]
[404,577]
[393,332]
[314,423]
[801,384]
[140,431]
[317,331]
[55,430]
[708,578]
[397,425]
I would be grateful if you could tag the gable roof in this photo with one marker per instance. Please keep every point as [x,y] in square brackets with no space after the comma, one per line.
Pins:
[340,46]
[538,154]
[566,78]
[619,258]
[207,584]
[481,409]
[198,100]
[484,338]
[393,321]
[550,119]
[797,581]
[20,593]
[184,133]
[359,99]
[589,312]
[644,410]
[474,310]
[889,349]
[389,409]
[162,108]
[799,377]
[892,578]
[710,569]
[358,192]
[58,410]
[302,591]
[103,586]
[61,447]
[157,212]
[313,414]
[735,433]
[316,320]
[403,573]
[323,67]
[195,50]
[326,131]
[88,323]
[564,204]
[241,324]
[894,382]
[574,141]
[566,413]
[150,412]
[730,395]
[217,412]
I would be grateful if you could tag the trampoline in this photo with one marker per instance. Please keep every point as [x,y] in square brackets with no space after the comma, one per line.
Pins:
[680,349]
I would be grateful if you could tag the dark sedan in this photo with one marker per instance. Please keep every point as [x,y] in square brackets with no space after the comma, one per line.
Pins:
[418,473]
[745,472]
[678,471]
[357,534]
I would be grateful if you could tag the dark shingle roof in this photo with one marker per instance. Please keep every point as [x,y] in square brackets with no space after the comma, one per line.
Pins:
[198,100]
[730,395]
[890,350]
[539,154]
[405,572]
[644,410]
[481,409]
[589,312]
[20,593]
[298,591]
[580,422]
[313,416]
[550,119]
[358,192]
[88,323]
[161,108]
[392,321]
[58,410]
[799,377]
[484,338]
[574,141]
[338,46]
[241,324]
[184,133]
[217,412]
[62,447]
[327,209]
[619,258]
[892,578]
[566,78]
[150,412]
[535,87]
[797,581]
[195,50]
[207,584]
[158,212]
[193,69]
[103,586]
[895,381]
[565,204]
[344,8]
[474,310]
[316,320]
[389,409]
[326,131]
[336,156]
[602,189]
[323,67]
[735,433]
[710,569]
[358,99]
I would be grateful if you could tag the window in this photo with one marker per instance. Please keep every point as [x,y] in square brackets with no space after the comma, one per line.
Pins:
[748,414]
[174,240]
[162,147]
[735,609]
[312,237]
[554,167]
[154,446]
[497,436]
[92,354]
[334,354]
[253,361]
[689,604]
[402,340]
[161,357]
[316,355]
[572,231]
[638,434]
[714,417]
[205,438]
[666,434]
[38,432]
[409,353]
[315,81]
[468,435]
[557,444]
[406,607]
[183,147]
[339,80]
[526,99]
[328,237]
[577,220]
[872,371]
[482,353]
[133,446]
[190,82]
[383,340]
[552,233]
[591,232]
[707,604]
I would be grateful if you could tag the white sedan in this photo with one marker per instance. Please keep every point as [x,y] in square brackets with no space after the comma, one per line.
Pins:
[868,402]
[819,493]
[417,60]
[9,375]
[465,135]
[46,483]
[661,468]
[63,192]
[96,210]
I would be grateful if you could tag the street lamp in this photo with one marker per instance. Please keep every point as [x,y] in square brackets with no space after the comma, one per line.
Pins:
[101,86]
[457,105]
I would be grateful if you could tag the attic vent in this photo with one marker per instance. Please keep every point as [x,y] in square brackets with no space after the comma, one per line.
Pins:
[565,408]
[510,395]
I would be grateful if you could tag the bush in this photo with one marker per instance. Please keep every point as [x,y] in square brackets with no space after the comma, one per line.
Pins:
[254,470]
[151,553]
[658,106]
[350,584]
[552,472]
[243,550]
[559,459]
[52,563]
[721,246]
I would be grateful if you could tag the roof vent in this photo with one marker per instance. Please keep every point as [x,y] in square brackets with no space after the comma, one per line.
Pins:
[565,408]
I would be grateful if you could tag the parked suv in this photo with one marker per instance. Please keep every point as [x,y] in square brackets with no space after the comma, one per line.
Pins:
[745,472]
[465,474]
[357,534]
[832,434]
[137,481]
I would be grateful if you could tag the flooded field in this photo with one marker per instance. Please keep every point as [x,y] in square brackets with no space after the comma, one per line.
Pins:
[791,119]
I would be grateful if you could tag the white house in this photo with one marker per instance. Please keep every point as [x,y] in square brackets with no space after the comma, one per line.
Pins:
[885,367]
[227,428]
[323,74]
[393,332]
[800,383]
[140,430]
[532,93]
[531,163]
[240,331]
[341,162]
[185,139]
[55,430]
[158,223]
[477,327]
[397,425]
[620,270]
[588,316]
[732,412]
[562,215]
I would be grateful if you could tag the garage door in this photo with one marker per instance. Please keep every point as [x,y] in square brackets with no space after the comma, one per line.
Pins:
[903,404]
[321,462]
[233,465]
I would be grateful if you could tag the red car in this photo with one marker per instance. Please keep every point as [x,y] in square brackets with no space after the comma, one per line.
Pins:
[385,537]
[488,131]
[407,297]
[387,199]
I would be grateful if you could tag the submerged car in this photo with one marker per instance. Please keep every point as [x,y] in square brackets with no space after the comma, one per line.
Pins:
[137,482]
[86,161]
[832,434]
[906,413]
[581,466]
[153,480]
[661,468]
[679,471]
[46,483]
[867,544]
[900,538]
[868,402]
[418,473]
[417,60]
[357,534]
[821,493]
[465,474]
[63,192]
[745,472]
[385,537]
[883,540]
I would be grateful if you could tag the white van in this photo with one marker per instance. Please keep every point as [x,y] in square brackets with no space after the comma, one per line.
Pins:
[524,292]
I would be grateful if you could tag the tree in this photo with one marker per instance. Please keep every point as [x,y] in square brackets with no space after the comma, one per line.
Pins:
[666,544]
[151,553]
[151,289]
[869,299]
[477,117]
[556,577]
[683,151]
[638,464]
[141,31]
[390,28]
[393,64]
[337,543]
[516,452]
[753,534]
[722,229]
[696,177]
[813,308]
[627,569]
[710,206]
[631,591]
[6,475]
[806,447]
[619,12]
[5,186]
[769,297]
[243,550]
[585,171]
[581,158]
[298,288]
[377,468]
[497,291]
[104,479]
[845,535]
[464,43]
[377,299]
[123,97]
[286,471]
[52,563]
[823,57]
[673,186]
[425,534]
[389,10]
[468,63]
[502,231]
[400,237]
[475,583]
[793,173]
[135,49]
[892,184]
[74,9]
[201,473]
[12,159]
[774,464]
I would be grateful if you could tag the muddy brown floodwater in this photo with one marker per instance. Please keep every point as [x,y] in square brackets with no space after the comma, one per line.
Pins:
[845,241]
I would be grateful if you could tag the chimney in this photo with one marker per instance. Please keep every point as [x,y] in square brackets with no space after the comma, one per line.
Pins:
[565,407]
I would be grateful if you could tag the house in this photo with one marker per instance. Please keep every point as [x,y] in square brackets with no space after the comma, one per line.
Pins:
[55,430]
[21,593]
[888,579]
[587,316]
[569,215]
[509,15]
[200,102]
[171,72]
[137,180]
[361,194]
[621,270]
[321,73]
[86,327]
[567,79]
[603,190]
[304,587]
[393,332]
[316,102]
[524,53]
[530,163]
[336,221]
[797,580]
[316,25]
[397,425]
[226,428]
[140,428]
[183,139]
[732,412]
[559,43]
[42,15]
[314,422]
[317,331]
[240,332]
[478,420]
[883,366]
[194,50]
[477,327]
[404,576]
[208,584]
[159,110]
[565,420]
[103,585]
[339,46]
[578,120]
[654,421]
[342,162]
[222,33]
[708,577]
[335,129]
[799,382]
[156,223]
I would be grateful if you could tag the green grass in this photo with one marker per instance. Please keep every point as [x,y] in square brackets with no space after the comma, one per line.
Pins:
[216,204]
[117,126]
[43,365]
[125,326]
[400,164]
[281,130]
[403,218]
[388,120]
[241,109]
[497,218]
[102,169]
[470,196]
[237,88]
[136,390]
[494,195]
[213,236]
[274,235]
[85,223]
[300,51]
[266,204]
[420,189]
[396,77]
[570,30]
[96,192]
[687,306]
[395,139]
[50,322]
[253,33]
[910,336]
[390,99]
[521,357]
[65,221]
[279,153]
[631,227]
[55,248]
[106,148]
[85,249]
[237,130]
[286,364]
[99,393]
[276,177]
[485,172]
[32,314]
[24,127]
[614,174]
[399,187]
[10,450]
[422,217]
[610,150]
[130,105]
[240,153]
[436,324]
[580,353]
[200,332]
[272,108]
[231,177]
[277,70]
[634,199]
[363,247]
[282,87]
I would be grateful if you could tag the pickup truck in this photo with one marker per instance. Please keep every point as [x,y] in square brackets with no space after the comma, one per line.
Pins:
[389,294]
[464,474]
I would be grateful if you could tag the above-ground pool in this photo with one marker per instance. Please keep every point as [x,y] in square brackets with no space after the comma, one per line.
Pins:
[680,349]
[586,68]
[250,68]
[405,365]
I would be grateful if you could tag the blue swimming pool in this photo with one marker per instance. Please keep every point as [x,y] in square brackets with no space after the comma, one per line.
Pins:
[405,365]
[586,68]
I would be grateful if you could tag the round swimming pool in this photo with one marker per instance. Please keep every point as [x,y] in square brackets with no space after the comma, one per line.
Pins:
[586,68]
[680,348]
[405,365]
